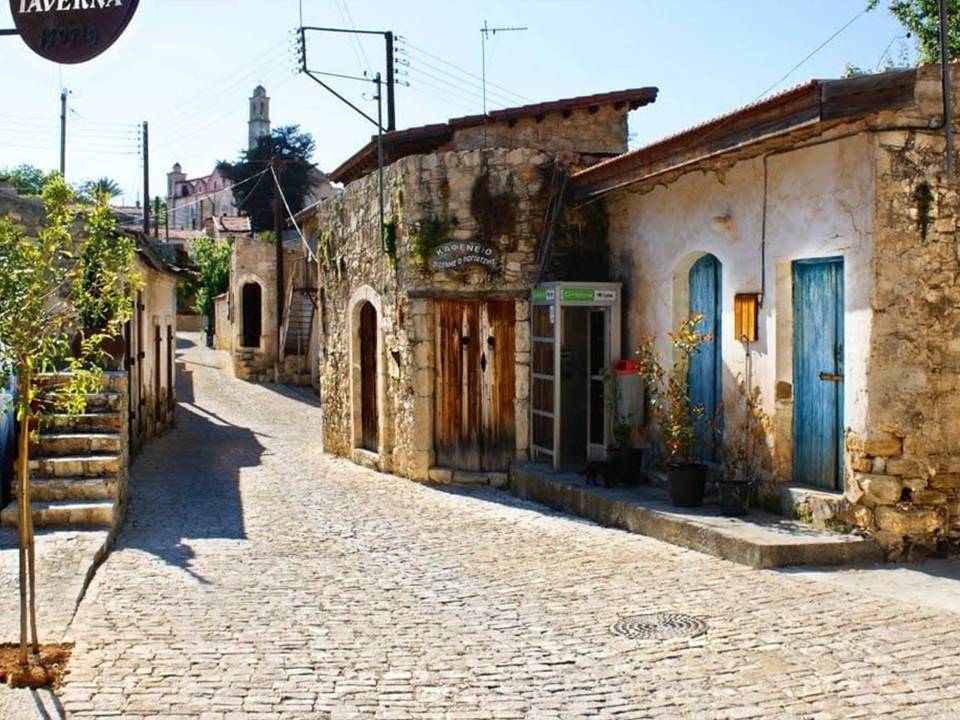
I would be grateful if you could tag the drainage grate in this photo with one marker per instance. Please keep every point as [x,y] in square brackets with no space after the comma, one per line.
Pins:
[659,626]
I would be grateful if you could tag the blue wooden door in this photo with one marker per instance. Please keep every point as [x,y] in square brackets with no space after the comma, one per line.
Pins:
[818,372]
[705,365]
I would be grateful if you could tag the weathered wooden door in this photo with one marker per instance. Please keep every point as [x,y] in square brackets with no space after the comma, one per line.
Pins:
[818,372]
[705,366]
[474,426]
[369,413]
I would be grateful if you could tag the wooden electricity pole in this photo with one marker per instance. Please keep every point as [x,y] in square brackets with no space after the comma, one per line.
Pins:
[278,231]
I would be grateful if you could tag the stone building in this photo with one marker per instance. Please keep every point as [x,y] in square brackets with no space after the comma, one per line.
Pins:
[192,201]
[424,352]
[827,209]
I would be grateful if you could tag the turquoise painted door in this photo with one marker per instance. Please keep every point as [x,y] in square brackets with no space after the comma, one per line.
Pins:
[705,365]
[818,372]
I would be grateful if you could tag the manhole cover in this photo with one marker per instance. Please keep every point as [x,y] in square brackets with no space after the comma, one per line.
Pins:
[659,626]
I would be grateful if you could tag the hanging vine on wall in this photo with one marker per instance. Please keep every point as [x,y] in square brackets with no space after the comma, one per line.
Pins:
[427,236]
[390,241]
[923,196]
[325,242]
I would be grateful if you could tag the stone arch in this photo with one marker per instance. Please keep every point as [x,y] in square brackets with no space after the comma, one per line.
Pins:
[367,371]
[250,302]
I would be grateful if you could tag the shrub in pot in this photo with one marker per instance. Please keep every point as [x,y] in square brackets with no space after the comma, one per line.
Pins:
[668,392]
[624,460]
[741,453]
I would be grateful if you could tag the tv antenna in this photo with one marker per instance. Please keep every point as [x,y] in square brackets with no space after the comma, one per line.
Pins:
[485,32]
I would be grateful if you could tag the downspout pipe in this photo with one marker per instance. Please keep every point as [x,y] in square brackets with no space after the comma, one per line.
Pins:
[945,80]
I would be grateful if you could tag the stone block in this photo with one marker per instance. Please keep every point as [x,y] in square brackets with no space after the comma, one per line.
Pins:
[440,475]
[880,489]
[904,520]
[902,466]
[498,479]
[929,497]
[882,445]
[947,481]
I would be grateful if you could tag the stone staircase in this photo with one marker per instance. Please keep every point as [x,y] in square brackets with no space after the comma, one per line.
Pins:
[78,466]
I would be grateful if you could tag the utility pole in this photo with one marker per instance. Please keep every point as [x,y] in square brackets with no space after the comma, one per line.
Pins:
[383,239]
[391,82]
[947,93]
[146,179]
[156,217]
[278,230]
[63,132]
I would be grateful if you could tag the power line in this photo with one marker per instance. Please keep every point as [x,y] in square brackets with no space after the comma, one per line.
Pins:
[476,88]
[446,86]
[814,52]
[355,43]
[463,70]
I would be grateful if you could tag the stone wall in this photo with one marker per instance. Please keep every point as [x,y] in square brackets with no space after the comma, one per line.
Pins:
[602,132]
[498,196]
[905,480]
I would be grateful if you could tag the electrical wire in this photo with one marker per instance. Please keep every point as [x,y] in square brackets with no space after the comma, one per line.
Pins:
[490,84]
[303,240]
[813,52]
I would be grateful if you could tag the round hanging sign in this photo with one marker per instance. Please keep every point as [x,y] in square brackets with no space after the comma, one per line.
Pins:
[71,31]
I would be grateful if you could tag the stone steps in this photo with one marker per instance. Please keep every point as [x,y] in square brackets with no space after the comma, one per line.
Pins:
[69,488]
[88,466]
[71,443]
[85,423]
[63,513]
[75,468]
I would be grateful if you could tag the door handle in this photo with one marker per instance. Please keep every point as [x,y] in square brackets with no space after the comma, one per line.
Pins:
[831,377]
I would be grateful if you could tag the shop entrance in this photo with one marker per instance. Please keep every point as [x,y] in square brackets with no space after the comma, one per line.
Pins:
[575,335]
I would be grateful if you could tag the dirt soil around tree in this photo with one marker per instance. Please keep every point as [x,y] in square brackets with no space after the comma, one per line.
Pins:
[43,672]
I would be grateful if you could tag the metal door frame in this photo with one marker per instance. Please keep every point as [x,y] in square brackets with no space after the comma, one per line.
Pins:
[558,295]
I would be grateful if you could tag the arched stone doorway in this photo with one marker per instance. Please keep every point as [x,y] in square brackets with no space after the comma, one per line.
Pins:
[369,415]
[251,313]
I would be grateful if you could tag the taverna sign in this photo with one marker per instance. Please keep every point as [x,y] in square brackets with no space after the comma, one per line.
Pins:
[71,31]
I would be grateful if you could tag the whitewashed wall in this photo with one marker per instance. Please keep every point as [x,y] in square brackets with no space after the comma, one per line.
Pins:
[820,203]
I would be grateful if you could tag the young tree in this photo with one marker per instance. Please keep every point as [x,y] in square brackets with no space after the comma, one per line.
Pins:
[212,258]
[921,18]
[291,150]
[53,286]
[27,179]
[91,190]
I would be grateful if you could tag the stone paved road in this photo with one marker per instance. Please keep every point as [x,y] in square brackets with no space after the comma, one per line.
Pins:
[258,578]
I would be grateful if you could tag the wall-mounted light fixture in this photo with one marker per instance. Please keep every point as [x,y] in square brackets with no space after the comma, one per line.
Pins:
[745,313]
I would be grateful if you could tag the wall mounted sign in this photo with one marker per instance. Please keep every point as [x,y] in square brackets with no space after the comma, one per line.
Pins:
[71,31]
[587,295]
[458,255]
[543,294]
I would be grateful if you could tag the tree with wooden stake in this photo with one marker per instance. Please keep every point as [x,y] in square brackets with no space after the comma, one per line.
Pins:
[66,293]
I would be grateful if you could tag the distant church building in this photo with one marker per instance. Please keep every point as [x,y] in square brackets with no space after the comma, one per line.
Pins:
[192,201]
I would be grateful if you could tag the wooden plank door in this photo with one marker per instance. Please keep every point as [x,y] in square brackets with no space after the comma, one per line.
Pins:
[474,420]
[818,372]
[705,366]
[369,412]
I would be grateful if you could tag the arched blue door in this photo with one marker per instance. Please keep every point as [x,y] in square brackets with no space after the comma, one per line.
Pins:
[705,379]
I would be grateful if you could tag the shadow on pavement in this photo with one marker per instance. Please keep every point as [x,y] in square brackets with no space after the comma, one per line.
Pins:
[185,485]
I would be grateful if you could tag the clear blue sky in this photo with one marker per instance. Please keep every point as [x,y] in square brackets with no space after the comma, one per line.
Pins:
[188,67]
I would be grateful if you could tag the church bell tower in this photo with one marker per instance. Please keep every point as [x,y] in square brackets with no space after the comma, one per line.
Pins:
[259,116]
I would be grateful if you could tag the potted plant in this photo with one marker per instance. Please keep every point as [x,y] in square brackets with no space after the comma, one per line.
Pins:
[624,460]
[669,398]
[740,454]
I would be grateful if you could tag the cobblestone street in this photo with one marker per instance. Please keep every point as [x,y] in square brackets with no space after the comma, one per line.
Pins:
[258,578]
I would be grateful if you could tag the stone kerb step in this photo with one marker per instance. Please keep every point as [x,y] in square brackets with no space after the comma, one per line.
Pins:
[68,443]
[85,423]
[69,488]
[61,513]
[89,466]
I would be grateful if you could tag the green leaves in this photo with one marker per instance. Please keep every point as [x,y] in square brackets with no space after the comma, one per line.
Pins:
[668,391]
[65,292]
[212,258]
[921,18]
